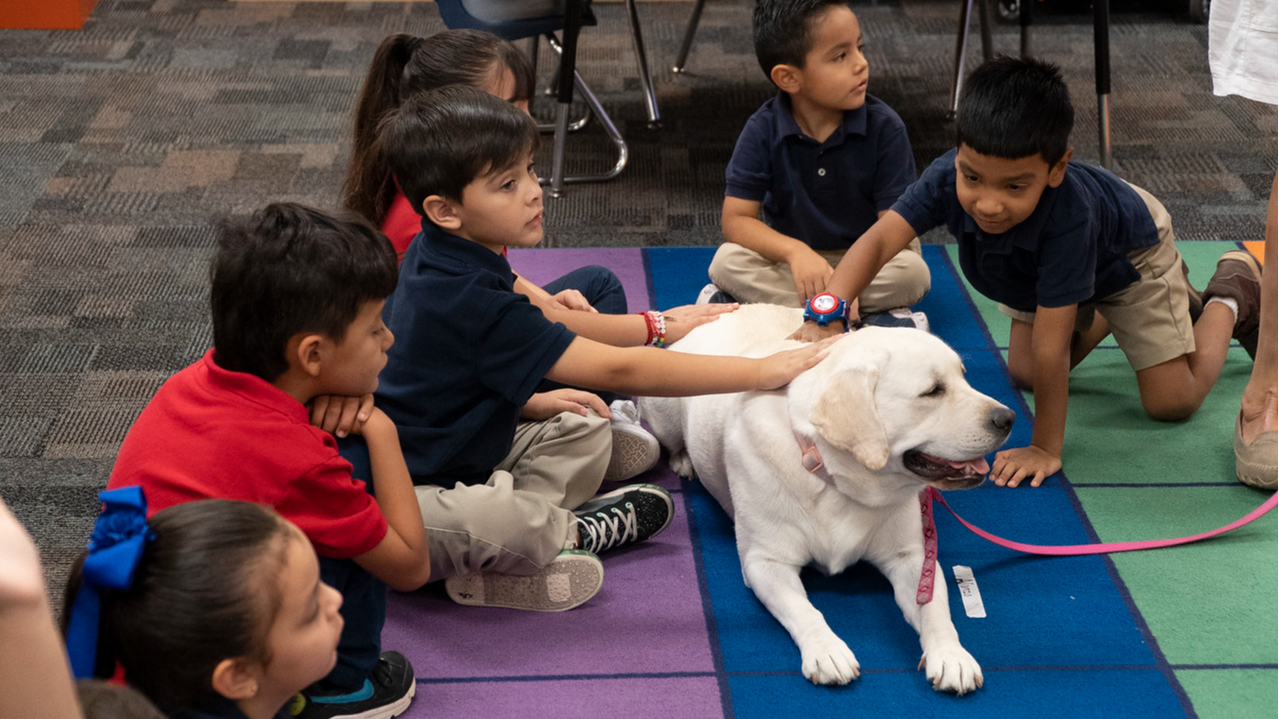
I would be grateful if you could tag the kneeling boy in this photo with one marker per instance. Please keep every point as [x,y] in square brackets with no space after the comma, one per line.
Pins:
[1072,254]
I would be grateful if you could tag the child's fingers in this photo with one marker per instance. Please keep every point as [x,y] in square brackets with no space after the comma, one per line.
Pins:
[366,408]
[350,408]
[319,406]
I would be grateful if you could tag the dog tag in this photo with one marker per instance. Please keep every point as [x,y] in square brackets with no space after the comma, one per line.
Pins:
[968,591]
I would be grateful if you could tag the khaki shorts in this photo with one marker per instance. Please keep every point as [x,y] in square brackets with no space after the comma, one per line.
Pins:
[1150,318]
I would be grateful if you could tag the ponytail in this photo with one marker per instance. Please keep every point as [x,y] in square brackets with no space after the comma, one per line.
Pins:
[403,66]
[369,189]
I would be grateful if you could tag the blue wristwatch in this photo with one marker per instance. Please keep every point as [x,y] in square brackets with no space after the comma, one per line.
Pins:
[825,307]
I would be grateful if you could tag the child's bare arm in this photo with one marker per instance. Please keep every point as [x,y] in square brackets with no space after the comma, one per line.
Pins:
[890,234]
[402,558]
[741,225]
[35,680]
[658,373]
[1050,348]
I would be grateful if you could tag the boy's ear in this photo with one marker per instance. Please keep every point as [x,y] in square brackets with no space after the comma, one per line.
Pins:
[441,211]
[1057,173]
[236,679]
[305,352]
[786,77]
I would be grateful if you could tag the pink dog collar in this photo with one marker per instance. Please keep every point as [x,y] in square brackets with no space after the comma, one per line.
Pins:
[811,458]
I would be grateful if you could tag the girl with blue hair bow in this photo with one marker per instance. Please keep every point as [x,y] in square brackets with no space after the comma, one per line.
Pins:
[214,609]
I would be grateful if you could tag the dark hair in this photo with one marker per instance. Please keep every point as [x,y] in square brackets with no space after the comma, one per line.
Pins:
[1015,107]
[289,269]
[783,30]
[403,66]
[441,140]
[196,599]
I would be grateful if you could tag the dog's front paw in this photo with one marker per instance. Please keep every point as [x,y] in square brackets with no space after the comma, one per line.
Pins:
[682,464]
[952,669]
[829,661]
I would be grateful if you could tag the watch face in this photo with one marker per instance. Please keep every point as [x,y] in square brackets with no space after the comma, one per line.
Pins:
[824,303]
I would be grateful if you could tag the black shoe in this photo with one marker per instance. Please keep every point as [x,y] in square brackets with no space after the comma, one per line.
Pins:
[384,695]
[630,514]
[711,294]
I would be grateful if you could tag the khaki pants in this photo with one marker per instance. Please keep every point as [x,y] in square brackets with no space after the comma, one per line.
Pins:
[519,520]
[1150,319]
[750,277]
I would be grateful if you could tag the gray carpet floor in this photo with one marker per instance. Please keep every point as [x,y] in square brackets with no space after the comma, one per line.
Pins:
[121,142]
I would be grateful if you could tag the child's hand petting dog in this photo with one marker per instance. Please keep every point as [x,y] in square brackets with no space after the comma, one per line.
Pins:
[682,320]
[340,416]
[544,405]
[1013,465]
[777,370]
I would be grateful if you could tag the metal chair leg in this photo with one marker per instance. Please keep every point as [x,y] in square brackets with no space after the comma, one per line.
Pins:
[574,125]
[961,48]
[646,81]
[558,179]
[687,43]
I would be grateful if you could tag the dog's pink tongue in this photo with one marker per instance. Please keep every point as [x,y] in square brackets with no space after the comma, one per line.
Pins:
[978,466]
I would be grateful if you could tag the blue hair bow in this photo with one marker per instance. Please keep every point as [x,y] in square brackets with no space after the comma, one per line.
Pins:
[115,549]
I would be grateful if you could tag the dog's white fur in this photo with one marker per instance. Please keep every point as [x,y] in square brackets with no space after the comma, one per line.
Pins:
[879,394]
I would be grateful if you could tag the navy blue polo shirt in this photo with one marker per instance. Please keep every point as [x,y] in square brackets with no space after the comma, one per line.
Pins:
[1072,249]
[824,194]
[469,352]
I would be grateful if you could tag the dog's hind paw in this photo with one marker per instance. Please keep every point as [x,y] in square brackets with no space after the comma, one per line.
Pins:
[830,662]
[952,669]
[682,464]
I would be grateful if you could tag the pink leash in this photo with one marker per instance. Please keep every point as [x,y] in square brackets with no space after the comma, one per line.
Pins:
[812,461]
[1080,549]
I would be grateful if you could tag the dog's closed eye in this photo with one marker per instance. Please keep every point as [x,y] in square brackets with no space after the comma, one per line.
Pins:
[936,390]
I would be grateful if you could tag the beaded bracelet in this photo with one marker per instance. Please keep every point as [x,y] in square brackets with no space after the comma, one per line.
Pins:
[656,323]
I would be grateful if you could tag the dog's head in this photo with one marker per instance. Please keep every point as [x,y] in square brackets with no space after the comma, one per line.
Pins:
[895,401]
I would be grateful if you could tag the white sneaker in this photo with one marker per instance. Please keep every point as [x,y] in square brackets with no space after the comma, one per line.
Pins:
[572,578]
[635,451]
[704,297]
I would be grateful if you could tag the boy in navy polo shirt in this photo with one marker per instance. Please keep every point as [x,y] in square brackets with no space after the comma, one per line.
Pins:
[1072,254]
[823,159]
[296,301]
[505,487]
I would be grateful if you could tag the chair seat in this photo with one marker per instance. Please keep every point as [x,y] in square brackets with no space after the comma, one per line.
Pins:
[510,19]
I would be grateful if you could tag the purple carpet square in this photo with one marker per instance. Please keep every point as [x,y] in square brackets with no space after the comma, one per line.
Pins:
[541,266]
[691,697]
[647,619]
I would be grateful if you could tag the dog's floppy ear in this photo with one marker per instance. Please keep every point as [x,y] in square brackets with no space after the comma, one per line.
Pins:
[845,414]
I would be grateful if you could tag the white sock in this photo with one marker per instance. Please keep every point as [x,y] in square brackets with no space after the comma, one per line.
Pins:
[1227,301]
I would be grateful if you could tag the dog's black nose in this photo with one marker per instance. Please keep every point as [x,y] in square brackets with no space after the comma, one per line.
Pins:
[1002,418]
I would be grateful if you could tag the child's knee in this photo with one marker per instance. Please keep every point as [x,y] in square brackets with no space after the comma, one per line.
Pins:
[1169,409]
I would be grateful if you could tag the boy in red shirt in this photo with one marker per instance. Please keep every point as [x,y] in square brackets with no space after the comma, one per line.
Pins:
[297,301]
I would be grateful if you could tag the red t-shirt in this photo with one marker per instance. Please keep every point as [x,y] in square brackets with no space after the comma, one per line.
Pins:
[402,224]
[211,433]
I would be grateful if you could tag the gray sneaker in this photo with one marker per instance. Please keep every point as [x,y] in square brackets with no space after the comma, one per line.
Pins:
[571,579]
[624,516]
[635,451]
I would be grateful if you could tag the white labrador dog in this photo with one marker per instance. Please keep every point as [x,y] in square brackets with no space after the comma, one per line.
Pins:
[889,412]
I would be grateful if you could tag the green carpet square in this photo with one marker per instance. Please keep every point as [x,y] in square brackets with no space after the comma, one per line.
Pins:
[1213,602]
[1232,693]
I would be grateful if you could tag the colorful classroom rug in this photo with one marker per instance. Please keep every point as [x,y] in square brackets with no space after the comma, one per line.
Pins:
[674,633]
